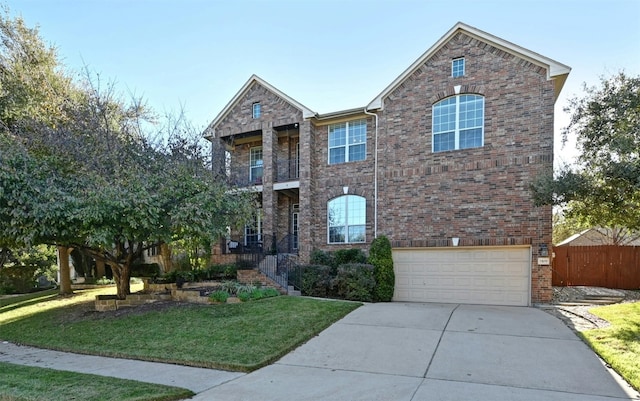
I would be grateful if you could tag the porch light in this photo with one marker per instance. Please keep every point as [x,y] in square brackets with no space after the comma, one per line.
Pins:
[543,251]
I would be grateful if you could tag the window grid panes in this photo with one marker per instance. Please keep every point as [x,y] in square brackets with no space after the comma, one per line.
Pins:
[256,110]
[458,123]
[457,67]
[347,141]
[346,219]
[253,231]
[255,164]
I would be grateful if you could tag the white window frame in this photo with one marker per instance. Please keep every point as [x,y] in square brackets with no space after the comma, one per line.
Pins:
[295,224]
[456,71]
[254,230]
[348,237]
[349,137]
[457,129]
[256,110]
[255,164]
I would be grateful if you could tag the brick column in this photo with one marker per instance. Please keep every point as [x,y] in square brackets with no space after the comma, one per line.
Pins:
[306,193]
[269,196]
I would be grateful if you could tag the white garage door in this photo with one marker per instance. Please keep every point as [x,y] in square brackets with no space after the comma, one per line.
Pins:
[490,276]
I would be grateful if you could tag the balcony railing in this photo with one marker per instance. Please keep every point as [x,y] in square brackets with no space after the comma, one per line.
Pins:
[273,258]
[243,176]
[288,170]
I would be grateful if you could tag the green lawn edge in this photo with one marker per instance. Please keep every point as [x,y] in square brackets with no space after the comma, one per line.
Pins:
[619,344]
[28,383]
[16,301]
[281,324]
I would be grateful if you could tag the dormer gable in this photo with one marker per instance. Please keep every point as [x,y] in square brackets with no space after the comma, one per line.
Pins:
[254,104]
[555,71]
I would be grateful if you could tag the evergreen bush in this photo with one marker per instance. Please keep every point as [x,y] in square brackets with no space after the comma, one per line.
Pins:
[354,282]
[382,261]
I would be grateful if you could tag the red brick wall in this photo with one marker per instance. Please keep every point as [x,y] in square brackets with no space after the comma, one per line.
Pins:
[275,112]
[480,195]
[329,182]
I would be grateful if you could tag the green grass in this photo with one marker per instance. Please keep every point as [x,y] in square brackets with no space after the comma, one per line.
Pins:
[15,301]
[240,337]
[619,344]
[25,383]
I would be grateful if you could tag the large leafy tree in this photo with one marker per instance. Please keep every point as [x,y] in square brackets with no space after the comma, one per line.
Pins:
[603,188]
[101,175]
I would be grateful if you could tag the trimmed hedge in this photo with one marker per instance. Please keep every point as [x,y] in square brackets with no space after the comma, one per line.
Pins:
[382,261]
[351,281]
[337,258]
[354,282]
[316,280]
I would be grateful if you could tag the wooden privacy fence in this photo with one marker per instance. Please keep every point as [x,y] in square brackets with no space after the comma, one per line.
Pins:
[609,266]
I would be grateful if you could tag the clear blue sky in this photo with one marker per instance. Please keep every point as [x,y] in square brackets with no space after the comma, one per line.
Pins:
[329,55]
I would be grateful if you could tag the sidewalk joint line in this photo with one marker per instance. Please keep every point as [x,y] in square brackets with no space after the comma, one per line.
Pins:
[439,340]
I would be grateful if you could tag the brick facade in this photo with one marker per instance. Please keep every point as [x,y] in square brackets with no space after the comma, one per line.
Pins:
[481,195]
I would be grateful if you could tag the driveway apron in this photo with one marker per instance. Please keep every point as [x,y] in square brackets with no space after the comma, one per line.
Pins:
[424,352]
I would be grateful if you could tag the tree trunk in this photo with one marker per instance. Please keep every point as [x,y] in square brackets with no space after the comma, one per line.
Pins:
[165,256]
[100,269]
[121,275]
[65,271]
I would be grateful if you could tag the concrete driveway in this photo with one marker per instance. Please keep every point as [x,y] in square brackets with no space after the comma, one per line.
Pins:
[401,351]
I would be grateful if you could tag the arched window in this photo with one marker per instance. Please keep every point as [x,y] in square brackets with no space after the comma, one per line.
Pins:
[346,219]
[458,123]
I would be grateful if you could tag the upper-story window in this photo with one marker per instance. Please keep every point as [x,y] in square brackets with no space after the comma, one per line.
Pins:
[255,165]
[458,123]
[256,110]
[457,67]
[347,141]
[346,219]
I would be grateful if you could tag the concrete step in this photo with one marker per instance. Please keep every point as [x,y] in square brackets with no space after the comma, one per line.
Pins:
[293,292]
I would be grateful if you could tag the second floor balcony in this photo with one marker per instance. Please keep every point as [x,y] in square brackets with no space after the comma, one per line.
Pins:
[252,175]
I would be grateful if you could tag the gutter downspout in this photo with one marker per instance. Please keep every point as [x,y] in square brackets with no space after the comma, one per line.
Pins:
[375,175]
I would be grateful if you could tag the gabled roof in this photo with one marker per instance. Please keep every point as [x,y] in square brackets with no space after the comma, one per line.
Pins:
[573,237]
[555,70]
[306,112]
[601,236]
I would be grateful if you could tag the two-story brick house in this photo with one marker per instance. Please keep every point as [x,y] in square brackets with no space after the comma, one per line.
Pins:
[440,162]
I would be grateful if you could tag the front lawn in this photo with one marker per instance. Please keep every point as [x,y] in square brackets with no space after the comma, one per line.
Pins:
[619,344]
[241,337]
[25,383]
[12,301]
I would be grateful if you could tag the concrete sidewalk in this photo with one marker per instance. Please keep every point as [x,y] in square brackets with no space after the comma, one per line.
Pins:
[396,351]
[194,379]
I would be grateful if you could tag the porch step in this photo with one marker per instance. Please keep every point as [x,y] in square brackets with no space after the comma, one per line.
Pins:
[293,292]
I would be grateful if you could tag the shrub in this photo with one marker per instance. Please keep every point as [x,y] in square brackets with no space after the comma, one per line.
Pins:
[17,279]
[319,257]
[316,280]
[244,296]
[105,281]
[230,286]
[219,296]
[245,288]
[271,292]
[337,258]
[355,282]
[346,256]
[382,261]
[145,270]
